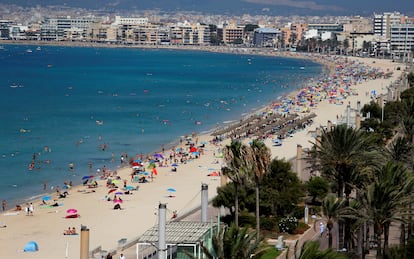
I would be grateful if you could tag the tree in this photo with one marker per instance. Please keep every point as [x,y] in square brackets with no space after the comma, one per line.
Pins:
[260,157]
[310,249]
[250,27]
[331,210]
[343,155]
[384,201]
[236,170]
[234,243]
[317,187]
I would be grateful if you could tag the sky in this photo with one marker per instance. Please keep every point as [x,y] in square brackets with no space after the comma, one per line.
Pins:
[236,7]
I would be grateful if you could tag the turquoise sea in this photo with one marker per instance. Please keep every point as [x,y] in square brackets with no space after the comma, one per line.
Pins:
[60,105]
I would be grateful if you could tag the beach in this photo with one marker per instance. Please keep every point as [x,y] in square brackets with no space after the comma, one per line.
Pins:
[107,226]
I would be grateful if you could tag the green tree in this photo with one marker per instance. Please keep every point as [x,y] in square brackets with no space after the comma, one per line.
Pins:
[331,210]
[317,187]
[250,27]
[385,200]
[280,190]
[236,170]
[234,243]
[310,250]
[259,160]
[343,155]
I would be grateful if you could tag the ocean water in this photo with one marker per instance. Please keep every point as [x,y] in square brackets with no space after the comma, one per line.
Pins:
[59,105]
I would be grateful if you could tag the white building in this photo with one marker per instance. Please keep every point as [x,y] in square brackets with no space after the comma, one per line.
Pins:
[130,21]
[383,23]
[402,40]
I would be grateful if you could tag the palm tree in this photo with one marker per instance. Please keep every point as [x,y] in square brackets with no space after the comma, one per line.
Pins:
[343,155]
[384,201]
[260,157]
[234,243]
[310,249]
[236,170]
[331,208]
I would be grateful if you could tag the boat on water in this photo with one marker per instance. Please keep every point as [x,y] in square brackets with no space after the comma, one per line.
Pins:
[39,48]
[98,122]
[302,68]
[14,85]
[29,50]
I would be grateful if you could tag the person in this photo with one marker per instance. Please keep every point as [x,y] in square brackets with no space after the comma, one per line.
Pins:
[321,228]
[67,231]
[31,209]
[4,205]
[109,256]
[73,231]
[122,256]
[174,214]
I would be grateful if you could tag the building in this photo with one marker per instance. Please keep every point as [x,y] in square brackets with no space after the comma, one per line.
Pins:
[231,34]
[383,22]
[266,37]
[322,27]
[66,28]
[5,29]
[402,40]
[130,21]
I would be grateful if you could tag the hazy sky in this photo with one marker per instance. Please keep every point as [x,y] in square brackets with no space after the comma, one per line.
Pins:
[273,7]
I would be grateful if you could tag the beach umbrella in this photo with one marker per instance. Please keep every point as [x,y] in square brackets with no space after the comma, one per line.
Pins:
[117,201]
[152,165]
[138,161]
[86,177]
[119,193]
[203,142]
[72,211]
[115,181]
[136,164]
[31,247]
[175,164]
[158,156]
[46,198]
[214,174]
[129,187]
[111,190]
[144,173]
[171,189]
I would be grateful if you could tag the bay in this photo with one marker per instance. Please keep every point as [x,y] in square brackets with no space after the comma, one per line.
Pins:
[60,105]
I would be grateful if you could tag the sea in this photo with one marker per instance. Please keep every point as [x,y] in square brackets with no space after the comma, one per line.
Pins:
[85,105]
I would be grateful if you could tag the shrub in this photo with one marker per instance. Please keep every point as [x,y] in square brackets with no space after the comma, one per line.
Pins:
[298,212]
[268,224]
[288,224]
[301,228]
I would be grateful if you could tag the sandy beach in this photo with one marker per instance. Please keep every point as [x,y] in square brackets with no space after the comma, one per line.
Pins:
[107,226]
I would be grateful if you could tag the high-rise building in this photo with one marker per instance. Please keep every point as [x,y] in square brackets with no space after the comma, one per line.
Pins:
[383,23]
[402,40]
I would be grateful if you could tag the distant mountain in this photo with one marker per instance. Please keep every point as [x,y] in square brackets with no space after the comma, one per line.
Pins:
[237,7]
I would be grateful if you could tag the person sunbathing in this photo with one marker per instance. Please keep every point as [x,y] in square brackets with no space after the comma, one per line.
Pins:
[67,231]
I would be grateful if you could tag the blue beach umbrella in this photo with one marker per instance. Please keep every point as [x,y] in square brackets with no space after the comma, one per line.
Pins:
[171,189]
[87,177]
[46,198]
[175,164]
[129,187]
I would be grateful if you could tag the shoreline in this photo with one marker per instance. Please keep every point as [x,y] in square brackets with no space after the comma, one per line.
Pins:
[47,224]
[214,49]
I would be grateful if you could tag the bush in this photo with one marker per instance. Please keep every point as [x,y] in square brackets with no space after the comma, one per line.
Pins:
[247,220]
[301,228]
[288,224]
[268,224]
[298,212]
